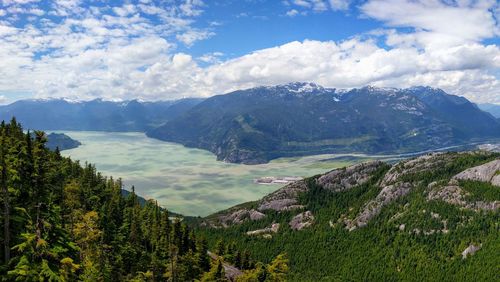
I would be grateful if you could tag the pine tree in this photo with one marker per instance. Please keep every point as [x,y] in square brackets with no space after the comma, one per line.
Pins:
[216,273]
[203,258]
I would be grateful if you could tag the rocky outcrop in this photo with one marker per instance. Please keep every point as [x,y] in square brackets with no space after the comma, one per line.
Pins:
[495,181]
[472,249]
[373,207]
[274,228]
[285,198]
[418,165]
[488,172]
[236,216]
[453,194]
[345,178]
[302,220]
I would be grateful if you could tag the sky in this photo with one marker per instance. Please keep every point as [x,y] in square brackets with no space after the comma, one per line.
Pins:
[170,49]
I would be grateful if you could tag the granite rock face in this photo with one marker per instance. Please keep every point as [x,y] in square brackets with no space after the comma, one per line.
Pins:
[423,163]
[284,199]
[495,181]
[455,195]
[302,220]
[346,178]
[395,185]
[238,216]
[488,172]
[373,207]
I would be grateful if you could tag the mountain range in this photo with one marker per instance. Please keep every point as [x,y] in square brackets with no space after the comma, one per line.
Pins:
[259,124]
[95,115]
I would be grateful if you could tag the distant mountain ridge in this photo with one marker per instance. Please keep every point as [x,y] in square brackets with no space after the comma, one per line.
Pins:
[61,141]
[259,124]
[99,115]
[493,109]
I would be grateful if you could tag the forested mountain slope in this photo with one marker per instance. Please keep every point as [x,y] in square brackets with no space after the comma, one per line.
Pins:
[61,221]
[61,141]
[432,218]
[259,124]
[95,115]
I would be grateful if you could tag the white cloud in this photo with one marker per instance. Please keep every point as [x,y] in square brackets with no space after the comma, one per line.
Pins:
[356,63]
[118,53]
[192,8]
[292,13]
[211,58]
[315,5]
[318,5]
[435,22]
[191,36]
[339,4]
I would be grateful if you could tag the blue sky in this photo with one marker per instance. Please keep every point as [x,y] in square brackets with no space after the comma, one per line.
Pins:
[158,50]
[246,26]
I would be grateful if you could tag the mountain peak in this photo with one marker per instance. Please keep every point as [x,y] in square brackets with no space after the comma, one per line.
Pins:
[300,88]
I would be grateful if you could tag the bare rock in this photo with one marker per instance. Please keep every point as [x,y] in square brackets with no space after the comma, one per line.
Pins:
[470,250]
[373,207]
[274,228]
[238,216]
[285,198]
[484,173]
[255,215]
[495,181]
[453,194]
[302,220]
[421,164]
[345,178]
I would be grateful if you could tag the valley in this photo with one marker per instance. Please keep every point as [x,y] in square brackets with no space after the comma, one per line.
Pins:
[191,181]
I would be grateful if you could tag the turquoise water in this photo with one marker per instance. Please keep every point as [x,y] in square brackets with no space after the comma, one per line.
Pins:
[185,180]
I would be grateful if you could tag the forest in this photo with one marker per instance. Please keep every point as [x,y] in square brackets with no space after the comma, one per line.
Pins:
[412,239]
[64,221]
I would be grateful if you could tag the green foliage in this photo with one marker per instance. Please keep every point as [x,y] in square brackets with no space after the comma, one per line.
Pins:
[381,251]
[481,191]
[216,273]
[62,221]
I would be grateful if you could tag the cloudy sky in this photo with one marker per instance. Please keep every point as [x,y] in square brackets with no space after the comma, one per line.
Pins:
[167,49]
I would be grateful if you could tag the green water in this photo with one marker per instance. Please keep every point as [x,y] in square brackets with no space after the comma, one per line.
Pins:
[185,180]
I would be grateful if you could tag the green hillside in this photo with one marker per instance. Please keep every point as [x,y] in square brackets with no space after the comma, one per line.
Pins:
[416,232]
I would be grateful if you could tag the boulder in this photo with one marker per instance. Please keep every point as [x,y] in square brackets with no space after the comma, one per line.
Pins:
[470,250]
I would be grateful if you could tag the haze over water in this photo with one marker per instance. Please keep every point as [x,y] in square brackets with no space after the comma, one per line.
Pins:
[185,180]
